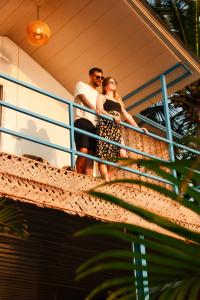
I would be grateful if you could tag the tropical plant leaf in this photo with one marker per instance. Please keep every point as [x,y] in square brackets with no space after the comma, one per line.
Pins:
[153,270]
[128,297]
[195,290]
[149,216]
[170,270]
[157,276]
[124,255]
[185,287]
[109,284]
[155,241]
[120,292]
[12,220]
[163,191]
[165,295]
[186,172]
[157,167]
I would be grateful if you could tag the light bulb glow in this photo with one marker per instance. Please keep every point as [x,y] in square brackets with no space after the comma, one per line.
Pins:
[38,33]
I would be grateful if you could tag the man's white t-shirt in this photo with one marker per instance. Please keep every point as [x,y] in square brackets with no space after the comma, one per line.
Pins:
[91,95]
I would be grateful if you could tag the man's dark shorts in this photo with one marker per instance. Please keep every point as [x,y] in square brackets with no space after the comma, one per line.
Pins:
[85,141]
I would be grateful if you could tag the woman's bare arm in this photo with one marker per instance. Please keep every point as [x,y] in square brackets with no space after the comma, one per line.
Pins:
[130,119]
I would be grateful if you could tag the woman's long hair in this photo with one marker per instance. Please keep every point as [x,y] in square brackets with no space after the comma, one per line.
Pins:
[105,83]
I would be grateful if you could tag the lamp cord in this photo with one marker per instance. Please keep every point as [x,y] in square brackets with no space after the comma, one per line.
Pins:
[38,10]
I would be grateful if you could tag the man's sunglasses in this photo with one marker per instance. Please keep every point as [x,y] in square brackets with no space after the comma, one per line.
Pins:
[99,77]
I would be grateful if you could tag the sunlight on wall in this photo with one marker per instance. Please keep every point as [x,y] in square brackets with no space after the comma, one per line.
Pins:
[16,63]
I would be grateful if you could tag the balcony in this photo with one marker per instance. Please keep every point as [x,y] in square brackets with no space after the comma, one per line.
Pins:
[45,185]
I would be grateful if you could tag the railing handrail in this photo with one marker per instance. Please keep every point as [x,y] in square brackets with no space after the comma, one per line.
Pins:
[35,89]
[153,80]
[63,125]
[71,127]
[49,120]
[156,125]
[68,150]
[68,102]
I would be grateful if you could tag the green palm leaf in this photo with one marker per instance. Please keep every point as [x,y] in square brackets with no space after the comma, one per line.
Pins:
[120,292]
[166,193]
[110,283]
[149,216]
[12,219]
[195,290]
[173,266]
[166,243]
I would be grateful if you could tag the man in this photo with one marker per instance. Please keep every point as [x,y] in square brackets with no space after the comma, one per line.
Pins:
[86,95]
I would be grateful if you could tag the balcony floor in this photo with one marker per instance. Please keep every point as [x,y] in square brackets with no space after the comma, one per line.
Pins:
[40,184]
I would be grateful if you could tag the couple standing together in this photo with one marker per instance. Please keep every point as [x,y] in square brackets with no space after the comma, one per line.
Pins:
[108,103]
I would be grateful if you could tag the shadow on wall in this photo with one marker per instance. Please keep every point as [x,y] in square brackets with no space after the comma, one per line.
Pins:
[26,147]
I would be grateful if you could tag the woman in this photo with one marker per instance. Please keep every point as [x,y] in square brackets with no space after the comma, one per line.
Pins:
[110,104]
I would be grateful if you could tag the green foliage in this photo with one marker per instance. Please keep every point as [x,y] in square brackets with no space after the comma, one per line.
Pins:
[172,261]
[12,220]
[183,18]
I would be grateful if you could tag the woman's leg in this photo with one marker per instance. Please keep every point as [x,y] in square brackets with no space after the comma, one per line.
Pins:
[104,171]
[112,170]
[123,153]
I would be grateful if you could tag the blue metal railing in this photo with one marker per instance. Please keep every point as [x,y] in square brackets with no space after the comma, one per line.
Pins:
[187,72]
[157,125]
[72,151]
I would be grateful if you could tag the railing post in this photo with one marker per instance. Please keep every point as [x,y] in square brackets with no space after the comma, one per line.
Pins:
[141,276]
[168,125]
[71,123]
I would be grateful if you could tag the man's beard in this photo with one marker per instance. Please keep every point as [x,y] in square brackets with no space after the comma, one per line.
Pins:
[96,84]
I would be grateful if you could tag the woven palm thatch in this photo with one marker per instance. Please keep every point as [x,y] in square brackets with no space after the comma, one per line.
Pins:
[43,185]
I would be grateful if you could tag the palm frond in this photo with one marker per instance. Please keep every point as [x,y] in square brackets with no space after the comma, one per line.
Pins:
[12,221]
[173,273]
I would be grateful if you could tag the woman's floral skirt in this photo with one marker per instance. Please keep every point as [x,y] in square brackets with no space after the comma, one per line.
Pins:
[112,131]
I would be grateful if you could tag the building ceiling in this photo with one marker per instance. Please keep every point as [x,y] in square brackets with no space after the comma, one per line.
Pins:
[120,36]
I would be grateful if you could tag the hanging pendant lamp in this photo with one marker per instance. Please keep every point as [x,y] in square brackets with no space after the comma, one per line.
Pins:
[38,32]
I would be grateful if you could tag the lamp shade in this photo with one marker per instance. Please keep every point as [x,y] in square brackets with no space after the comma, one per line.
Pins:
[38,33]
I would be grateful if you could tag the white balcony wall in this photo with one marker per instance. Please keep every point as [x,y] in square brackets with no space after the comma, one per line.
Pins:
[16,63]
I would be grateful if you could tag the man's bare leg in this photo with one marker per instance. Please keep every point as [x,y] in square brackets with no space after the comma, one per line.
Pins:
[89,165]
[81,161]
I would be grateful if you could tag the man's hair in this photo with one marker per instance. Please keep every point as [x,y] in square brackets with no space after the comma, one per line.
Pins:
[93,70]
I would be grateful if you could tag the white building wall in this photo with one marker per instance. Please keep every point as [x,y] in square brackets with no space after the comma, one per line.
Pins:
[16,63]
